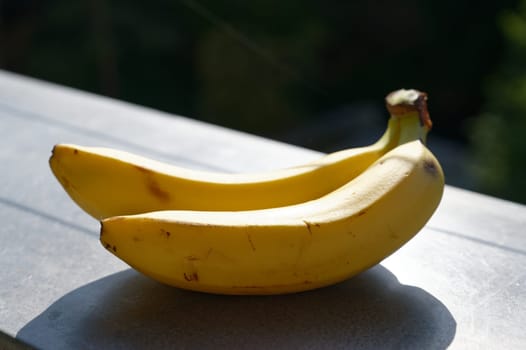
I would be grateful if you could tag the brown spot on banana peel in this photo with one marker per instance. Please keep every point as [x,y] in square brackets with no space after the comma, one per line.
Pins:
[106,245]
[165,233]
[305,241]
[309,225]
[191,277]
[158,192]
[430,167]
[251,242]
[152,185]
[392,233]
[190,274]
[109,246]
[406,106]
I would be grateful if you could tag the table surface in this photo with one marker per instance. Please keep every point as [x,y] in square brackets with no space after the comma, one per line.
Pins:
[460,283]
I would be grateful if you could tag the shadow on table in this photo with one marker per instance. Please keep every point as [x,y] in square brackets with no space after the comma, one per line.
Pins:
[126,310]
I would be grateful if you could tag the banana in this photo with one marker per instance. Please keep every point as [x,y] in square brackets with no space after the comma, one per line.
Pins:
[287,249]
[107,182]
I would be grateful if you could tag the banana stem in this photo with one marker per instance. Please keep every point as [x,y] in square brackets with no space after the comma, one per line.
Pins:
[402,102]
[405,105]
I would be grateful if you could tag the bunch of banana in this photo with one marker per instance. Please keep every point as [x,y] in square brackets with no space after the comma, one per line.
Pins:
[305,227]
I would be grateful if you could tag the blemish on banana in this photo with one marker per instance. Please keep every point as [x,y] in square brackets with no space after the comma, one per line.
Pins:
[75,151]
[392,233]
[109,246]
[430,167]
[191,276]
[310,224]
[251,242]
[152,185]
[190,273]
[165,233]
[156,190]
[362,212]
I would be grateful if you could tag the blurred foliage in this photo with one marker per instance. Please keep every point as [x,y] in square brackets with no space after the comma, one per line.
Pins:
[498,138]
[260,66]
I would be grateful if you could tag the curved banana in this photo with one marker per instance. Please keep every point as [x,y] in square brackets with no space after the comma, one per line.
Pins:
[108,182]
[287,249]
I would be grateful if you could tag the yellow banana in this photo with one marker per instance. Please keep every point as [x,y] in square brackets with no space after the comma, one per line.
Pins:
[107,182]
[287,249]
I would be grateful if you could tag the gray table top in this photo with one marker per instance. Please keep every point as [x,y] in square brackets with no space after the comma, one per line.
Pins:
[459,283]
